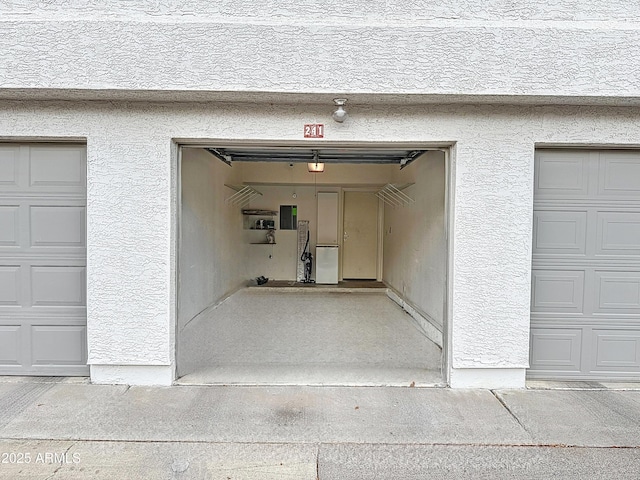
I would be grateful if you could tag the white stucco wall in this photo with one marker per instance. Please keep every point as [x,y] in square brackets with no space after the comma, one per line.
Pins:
[129,188]
[131,207]
[584,50]
[293,58]
[491,247]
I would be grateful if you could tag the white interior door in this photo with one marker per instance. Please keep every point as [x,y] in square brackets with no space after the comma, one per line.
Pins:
[360,235]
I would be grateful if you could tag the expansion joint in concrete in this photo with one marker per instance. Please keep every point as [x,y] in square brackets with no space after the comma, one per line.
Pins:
[506,407]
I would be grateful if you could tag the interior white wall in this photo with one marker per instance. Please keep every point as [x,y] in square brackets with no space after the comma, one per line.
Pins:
[415,249]
[211,255]
[278,182]
[279,261]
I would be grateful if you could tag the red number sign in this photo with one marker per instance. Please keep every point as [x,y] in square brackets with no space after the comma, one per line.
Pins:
[314,130]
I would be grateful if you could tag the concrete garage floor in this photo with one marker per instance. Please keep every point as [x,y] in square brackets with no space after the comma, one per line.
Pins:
[307,337]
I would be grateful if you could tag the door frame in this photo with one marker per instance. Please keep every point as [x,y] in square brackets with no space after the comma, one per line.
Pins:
[379,232]
[447,147]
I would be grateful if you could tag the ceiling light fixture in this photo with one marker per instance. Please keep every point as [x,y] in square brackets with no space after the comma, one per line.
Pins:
[315,166]
[340,115]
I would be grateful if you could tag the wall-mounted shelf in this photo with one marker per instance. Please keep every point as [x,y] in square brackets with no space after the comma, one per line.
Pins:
[392,195]
[259,219]
[258,211]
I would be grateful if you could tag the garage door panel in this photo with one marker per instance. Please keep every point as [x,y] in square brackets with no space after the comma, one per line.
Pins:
[556,349]
[9,166]
[561,175]
[618,233]
[10,343]
[57,226]
[43,260]
[617,292]
[557,291]
[619,174]
[616,350]
[58,345]
[9,225]
[560,233]
[52,227]
[586,326]
[58,286]
[57,167]
[10,287]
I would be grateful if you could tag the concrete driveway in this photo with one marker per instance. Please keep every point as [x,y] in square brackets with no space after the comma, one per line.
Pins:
[75,430]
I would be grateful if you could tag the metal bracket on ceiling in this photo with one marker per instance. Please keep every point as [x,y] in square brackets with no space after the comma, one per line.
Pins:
[220,155]
[410,158]
[393,196]
[243,195]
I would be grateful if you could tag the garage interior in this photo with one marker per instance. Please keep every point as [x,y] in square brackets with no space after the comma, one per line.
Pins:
[376,228]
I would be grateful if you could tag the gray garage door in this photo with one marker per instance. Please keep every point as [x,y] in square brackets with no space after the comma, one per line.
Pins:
[42,260]
[585,307]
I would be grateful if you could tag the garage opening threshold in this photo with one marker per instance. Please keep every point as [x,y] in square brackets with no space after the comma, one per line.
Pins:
[185,381]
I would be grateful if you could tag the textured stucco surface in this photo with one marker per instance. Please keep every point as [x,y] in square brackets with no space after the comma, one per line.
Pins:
[131,262]
[331,11]
[563,49]
[492,237]
[128,224]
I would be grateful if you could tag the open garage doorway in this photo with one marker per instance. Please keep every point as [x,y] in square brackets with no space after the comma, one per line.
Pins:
[369,309]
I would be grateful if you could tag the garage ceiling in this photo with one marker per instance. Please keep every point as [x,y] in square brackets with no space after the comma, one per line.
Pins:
[322,155]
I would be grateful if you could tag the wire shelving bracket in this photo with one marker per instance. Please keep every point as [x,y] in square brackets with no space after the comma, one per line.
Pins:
[244,194]
[393,196]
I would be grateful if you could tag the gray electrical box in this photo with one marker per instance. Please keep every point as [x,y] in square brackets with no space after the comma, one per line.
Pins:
[288,217]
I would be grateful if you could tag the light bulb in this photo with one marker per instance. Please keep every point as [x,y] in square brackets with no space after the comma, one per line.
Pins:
[340,114]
